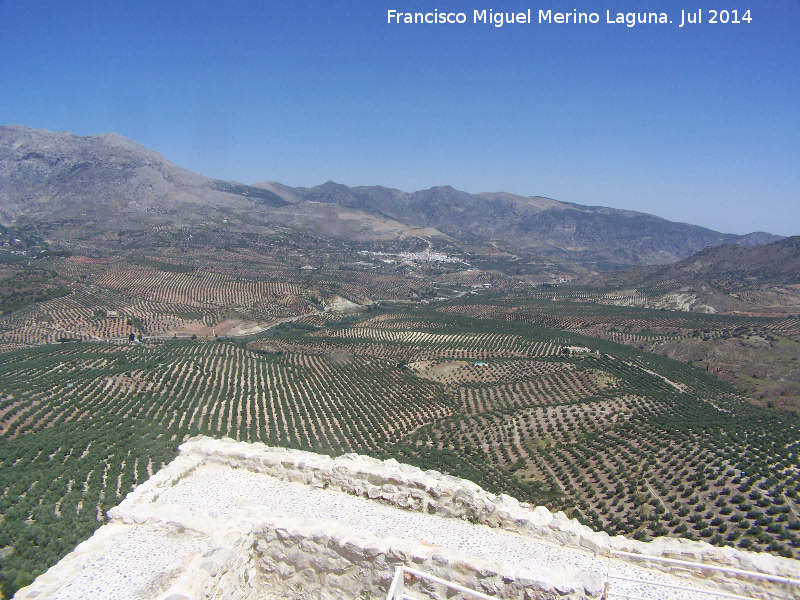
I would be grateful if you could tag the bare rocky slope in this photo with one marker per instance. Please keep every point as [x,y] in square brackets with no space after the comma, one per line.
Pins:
[109,179]
[595,236]
[112,183]
[729,268]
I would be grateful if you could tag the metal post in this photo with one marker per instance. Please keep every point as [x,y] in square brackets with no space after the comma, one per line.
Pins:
[401,582]
[396,589]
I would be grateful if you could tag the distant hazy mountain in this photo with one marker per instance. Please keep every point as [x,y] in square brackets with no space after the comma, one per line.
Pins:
[730,267]
[109,179]
[112,183]
[592,235]
[757,238]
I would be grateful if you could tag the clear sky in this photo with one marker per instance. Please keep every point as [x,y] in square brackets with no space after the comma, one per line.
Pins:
[699,124]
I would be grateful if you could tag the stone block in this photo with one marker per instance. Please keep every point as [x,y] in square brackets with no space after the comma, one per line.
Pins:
[486,570]
[487,586]
[592,583]
[284,570]
[592,544]
[565,588]
[372,551]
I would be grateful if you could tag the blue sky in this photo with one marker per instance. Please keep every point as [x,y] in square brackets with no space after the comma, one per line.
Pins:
[699,124]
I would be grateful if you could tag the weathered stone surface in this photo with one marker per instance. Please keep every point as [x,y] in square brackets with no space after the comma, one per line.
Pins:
[592,583]
[247,552]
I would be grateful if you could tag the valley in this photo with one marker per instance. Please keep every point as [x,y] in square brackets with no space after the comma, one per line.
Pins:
[659,399]
[627,441]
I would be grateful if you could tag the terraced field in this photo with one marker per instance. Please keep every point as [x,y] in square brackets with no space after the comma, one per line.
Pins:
[204,281]
[758,354]
[625,441]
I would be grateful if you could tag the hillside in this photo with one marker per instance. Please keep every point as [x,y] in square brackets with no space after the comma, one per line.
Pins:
[597,237]
[106,183]
[730,267]
[625,441]
[729,278]
[108,180]
[758,357]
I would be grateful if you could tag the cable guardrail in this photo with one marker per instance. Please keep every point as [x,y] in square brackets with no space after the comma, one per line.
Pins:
[788,581]
[397,588]
[697,565]
[609,594]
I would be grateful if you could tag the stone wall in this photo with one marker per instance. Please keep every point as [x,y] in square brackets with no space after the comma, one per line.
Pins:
[411,488]
[251,553]
[302,559]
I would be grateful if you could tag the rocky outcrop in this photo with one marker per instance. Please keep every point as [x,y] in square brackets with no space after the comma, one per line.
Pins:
[109,180]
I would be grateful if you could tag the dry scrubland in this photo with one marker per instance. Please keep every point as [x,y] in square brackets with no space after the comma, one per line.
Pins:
[759,355]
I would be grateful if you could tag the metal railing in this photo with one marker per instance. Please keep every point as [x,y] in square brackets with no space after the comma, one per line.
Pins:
[786,581]
[696,565]
[610,594]
[397,589]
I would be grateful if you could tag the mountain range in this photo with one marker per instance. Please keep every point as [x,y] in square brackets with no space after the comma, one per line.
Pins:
[731,278]
[108,182]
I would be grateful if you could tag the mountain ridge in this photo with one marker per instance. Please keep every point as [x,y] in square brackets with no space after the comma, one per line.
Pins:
[107,176]
[730,266]
[113,183]
[595,236]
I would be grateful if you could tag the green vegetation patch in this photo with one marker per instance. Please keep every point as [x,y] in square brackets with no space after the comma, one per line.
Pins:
[53,494]
[27,287]
[626,441]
